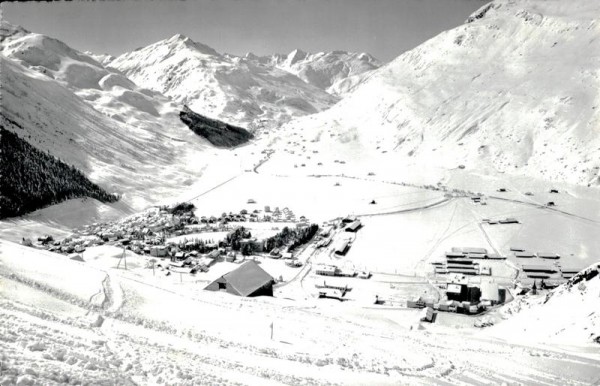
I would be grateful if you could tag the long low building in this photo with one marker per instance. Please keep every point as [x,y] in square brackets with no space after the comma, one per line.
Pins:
[353,226]
[469,250]
[539,268]
[524,255]
[548,255]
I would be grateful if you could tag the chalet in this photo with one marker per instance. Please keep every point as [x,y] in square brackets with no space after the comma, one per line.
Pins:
[353,226]
[248,280]
[158,251]
[214,254]
[79,248]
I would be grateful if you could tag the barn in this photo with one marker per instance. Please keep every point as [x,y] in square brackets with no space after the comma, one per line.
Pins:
[342,247]
[248,280]
[353,226]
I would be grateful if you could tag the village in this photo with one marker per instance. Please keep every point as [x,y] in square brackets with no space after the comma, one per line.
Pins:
[264,251]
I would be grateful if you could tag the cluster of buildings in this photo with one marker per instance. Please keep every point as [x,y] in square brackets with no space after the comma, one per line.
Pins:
[467,295]
[465,261]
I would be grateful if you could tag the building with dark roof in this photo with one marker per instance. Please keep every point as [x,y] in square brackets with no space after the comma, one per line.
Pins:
[353,226]
[248,280]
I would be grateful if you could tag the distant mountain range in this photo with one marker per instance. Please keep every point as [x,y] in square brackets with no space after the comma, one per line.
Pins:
[252,91]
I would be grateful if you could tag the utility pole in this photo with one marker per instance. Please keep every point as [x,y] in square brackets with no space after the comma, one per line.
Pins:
[123,258]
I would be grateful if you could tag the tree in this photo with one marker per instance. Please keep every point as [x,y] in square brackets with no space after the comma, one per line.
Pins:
[247,249]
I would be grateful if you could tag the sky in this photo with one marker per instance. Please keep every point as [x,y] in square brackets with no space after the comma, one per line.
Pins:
[383,28]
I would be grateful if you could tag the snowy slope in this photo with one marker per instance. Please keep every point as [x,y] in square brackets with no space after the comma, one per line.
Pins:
[229,88]
[65,102]
[569,314]
[105,325]
[515,90]
[332,71]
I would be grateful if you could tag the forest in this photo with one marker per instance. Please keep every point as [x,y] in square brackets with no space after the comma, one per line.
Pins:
[31,179]
[218,133]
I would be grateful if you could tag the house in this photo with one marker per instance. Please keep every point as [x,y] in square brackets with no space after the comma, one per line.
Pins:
[325,232]
[353,226]
[214,254]
[158,251]
[248,280]
[553,190]
[326,270]
[349,219]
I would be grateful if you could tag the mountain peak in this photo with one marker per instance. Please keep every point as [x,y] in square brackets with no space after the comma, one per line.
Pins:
[296,56]
[180,39]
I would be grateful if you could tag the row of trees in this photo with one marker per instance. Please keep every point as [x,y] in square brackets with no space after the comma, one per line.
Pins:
[293,237]
[31,179]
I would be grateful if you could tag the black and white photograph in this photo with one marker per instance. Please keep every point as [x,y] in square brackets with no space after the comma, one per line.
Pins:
[300,192]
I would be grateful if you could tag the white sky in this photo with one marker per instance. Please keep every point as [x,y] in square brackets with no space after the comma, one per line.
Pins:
[383,28]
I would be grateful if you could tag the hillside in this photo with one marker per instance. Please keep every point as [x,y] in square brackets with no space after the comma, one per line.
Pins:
[543,317]
[218,133]
[226,87]
[31,179]
[98,121]
[514,90]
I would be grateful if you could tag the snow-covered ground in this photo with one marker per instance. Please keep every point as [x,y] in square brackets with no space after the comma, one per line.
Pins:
[523,119]
[153,333]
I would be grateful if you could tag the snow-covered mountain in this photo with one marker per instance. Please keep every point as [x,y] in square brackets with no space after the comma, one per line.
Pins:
[66,103]
[513,90]
[330,71]
[222,86]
